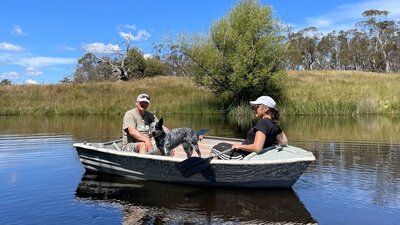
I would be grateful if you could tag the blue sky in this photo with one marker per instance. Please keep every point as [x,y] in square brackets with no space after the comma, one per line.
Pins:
[41,41]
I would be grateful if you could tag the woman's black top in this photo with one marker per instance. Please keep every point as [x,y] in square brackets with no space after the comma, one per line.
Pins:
[269,127]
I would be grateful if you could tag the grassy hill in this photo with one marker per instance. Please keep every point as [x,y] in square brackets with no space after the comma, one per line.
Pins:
[168,94]
[305,92]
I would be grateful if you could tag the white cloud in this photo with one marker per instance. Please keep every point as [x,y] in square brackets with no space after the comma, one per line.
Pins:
[146,56]
[131,26]
[67,48]
[126,26]
[346,16]
[126,36]
[44,61]
[33,71]
[30,81]
[10,75]
[17,30]
[101,48]
[10,47]
[141,35]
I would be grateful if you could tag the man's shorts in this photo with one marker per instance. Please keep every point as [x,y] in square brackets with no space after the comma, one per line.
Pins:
[130,147]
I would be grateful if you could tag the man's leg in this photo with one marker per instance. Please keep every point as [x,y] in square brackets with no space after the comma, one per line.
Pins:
[141,147]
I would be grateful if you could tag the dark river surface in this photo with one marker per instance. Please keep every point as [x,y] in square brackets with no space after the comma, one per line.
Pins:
[355,179]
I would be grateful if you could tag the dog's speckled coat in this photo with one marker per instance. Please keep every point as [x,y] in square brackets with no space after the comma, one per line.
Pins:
[165,142]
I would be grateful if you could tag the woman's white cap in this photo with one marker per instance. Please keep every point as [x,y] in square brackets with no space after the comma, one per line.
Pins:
[264,100]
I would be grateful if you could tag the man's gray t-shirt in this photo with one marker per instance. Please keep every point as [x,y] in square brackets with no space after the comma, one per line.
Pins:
[132,118]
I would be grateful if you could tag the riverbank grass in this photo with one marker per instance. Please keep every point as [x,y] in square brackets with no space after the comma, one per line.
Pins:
[168,95]
[304,93]
[340,93]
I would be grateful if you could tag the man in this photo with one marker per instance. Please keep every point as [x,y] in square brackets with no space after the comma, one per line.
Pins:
[135,126]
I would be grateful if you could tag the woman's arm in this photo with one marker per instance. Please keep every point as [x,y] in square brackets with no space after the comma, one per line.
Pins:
[282,139]
[257,146]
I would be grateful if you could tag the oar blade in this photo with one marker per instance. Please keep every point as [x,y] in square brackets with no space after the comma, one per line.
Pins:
[202,132]
[192,165]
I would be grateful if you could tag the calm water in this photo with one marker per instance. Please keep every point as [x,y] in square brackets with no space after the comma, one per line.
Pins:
[355,179]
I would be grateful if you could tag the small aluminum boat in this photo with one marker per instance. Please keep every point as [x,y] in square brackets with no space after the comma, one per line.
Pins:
[274,167]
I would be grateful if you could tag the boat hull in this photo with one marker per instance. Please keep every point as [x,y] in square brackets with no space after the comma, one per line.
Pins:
[232,173]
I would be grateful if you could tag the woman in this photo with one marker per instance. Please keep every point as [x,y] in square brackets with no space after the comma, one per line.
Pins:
[264,134]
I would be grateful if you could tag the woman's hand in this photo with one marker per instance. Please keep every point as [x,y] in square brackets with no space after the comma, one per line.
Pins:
[236,146]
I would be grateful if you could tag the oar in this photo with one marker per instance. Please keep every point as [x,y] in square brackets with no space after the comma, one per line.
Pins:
[193,165]
[201,132]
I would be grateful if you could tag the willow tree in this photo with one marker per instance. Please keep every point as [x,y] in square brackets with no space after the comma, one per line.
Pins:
[242,56]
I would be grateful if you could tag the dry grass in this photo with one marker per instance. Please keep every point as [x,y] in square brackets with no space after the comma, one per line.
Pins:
[306,93]
[341,92]
[169,94]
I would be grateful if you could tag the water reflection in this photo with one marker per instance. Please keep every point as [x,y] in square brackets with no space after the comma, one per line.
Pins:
[369,167]
[356,175]
[101,128]
[159,203]
[371,128]
[93,128]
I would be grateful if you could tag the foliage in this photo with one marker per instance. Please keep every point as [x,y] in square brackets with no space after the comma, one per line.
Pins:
[372,46]
[90,69]
[5,82]
[241,57]
[65,80]
[135,63]
[154,67]
[175,62]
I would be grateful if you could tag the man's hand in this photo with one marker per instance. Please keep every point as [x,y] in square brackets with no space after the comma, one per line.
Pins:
[149,145]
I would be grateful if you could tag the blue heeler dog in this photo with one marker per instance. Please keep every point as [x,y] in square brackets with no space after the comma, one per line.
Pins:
[165,142]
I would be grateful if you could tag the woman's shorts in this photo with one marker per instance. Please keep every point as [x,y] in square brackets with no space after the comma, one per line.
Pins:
[234,154]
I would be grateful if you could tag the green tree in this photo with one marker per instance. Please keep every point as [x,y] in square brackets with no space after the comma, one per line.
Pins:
[154,67]
[302,47]
[242,56]
[90,68]
[135,63]
[358,49]
[344,56]
[65,80]
[86,69]
[175,62]
[327,53]
[382,35]
[5,82]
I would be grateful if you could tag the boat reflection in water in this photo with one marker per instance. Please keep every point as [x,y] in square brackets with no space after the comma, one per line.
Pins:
[148,202]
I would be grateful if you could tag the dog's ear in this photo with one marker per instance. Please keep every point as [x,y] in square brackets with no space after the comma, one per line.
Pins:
[160,122]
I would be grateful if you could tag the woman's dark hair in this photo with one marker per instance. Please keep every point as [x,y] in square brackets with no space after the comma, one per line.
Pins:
[274,113]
